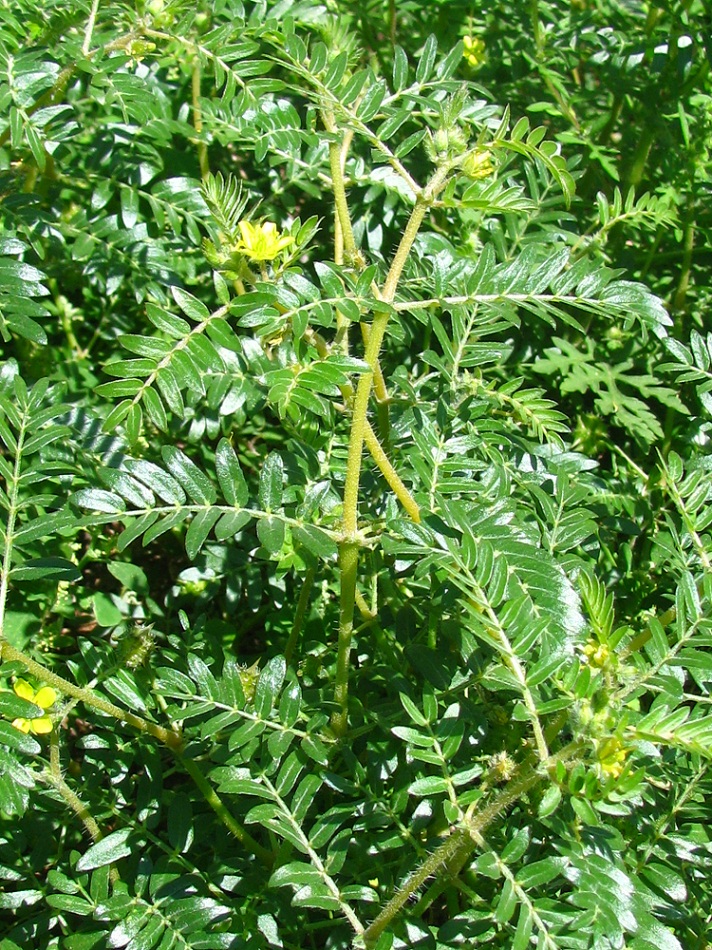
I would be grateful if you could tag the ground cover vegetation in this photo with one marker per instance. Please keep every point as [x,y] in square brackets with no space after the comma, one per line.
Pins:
[355,408]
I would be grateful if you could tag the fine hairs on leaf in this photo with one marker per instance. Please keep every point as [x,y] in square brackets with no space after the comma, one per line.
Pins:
[355,396]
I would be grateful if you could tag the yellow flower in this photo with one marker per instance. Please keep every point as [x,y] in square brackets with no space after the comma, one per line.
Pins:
[478,164]
[474,52]
[598,654]
[611,757]
[261,242]
[44,698]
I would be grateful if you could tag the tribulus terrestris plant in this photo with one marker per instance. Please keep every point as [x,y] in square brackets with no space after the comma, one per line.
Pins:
[324,625]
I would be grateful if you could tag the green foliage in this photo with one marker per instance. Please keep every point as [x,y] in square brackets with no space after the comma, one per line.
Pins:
[354,476]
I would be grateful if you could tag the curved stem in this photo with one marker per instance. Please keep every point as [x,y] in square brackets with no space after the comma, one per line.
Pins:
[221,810]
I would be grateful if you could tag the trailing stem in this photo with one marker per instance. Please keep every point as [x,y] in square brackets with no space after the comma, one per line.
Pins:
[453,853]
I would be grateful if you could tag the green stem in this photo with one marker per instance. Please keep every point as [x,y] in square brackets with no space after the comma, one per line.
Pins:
[90,27]
[640,156]
[336,163]
[56,779]
[348,567]
[390,474]
[201,146]
[536,26]
[299,614]
[167,736]
[452,855]
[348,553]
[688,244]
[220,809]
[381,394]
[13,502]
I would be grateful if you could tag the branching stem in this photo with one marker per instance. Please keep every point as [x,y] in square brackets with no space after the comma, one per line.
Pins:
[348,553]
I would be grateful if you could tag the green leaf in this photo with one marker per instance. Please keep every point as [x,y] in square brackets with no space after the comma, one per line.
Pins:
[14,738]
[70,904]
[315,540]
[295,874]
[198,531]
[400,68]
[427,60]
[165,486]
[180,823]
[232,481]
[290,703]
[188,475]
[431,785]
[106,851]
[14,706]
[46,568]
[270,487]
[155,410]
[97,499]
[271,532]
[412,710]
[190,305]
[268,685]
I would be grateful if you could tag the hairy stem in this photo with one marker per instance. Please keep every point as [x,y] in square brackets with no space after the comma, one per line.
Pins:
[56,779]
[348,553]
[453,853]
[390,474]
[336,163]
[168,737]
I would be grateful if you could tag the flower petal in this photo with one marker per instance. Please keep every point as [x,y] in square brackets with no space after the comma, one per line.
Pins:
[46,697]
[24,690]
[41,726]
[22,724]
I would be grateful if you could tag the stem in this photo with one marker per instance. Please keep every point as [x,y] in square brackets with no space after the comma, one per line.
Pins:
[220,809]
[13,493]
[381,394]
[390,474]
[169,737]
[201,146]
[348,566]
[536,26]
[392,22]
[90,27]
[56,779]
[455,850]
[348,553]
[299,614]
[640,156]
[688,244]
[336,158]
